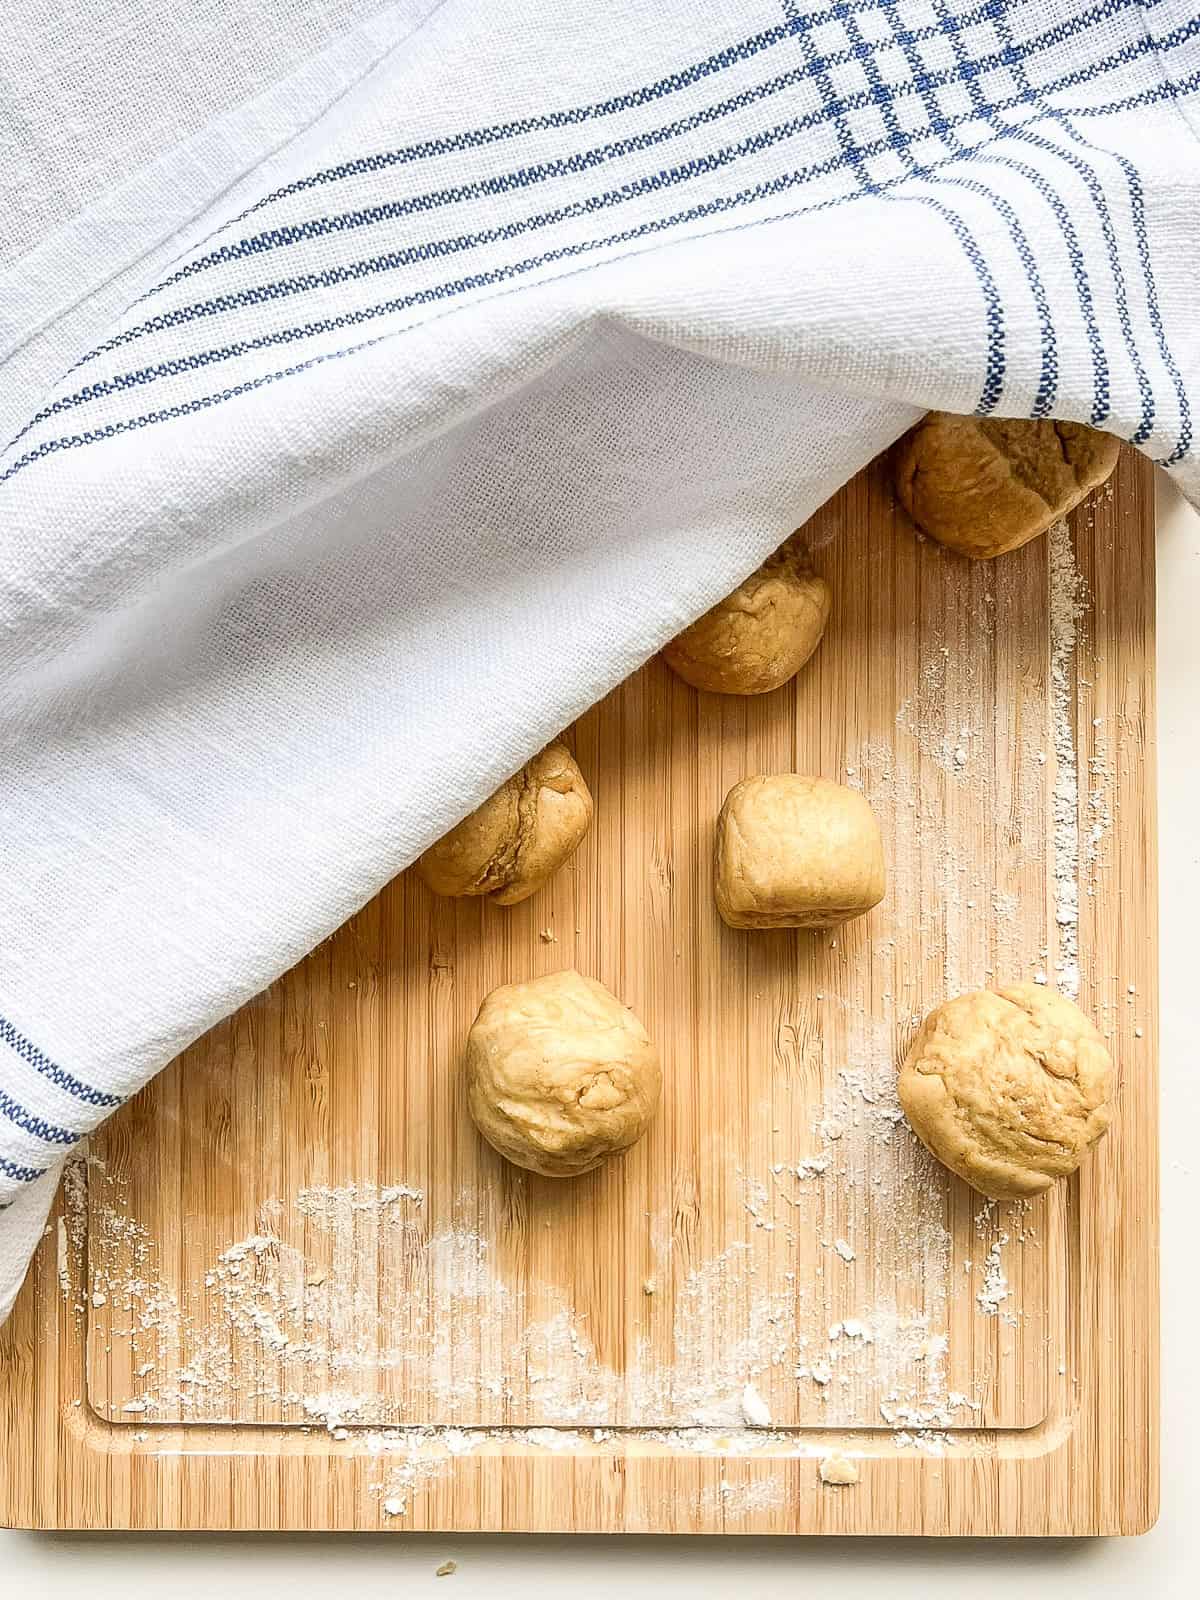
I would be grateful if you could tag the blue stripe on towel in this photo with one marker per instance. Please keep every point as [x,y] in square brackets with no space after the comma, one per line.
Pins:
[29,1053]
[29,1122]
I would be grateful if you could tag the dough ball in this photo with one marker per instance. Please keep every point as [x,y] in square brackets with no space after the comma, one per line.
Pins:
[983,485]
[762,634]
[1008,1088]
[795,852]
[560,1075]
[520,837]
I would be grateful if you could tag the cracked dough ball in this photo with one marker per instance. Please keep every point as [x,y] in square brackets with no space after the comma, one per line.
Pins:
[762,634]
[560,1075]
[796,852]
[983,485]
[520,837]
[1008,1088]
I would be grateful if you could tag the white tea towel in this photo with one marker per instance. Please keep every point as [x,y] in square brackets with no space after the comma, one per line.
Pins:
[383,387]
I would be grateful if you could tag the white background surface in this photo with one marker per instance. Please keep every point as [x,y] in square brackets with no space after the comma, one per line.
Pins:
[1163,1564]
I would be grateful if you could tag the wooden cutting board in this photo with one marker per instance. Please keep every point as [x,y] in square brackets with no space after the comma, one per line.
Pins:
[290,1288]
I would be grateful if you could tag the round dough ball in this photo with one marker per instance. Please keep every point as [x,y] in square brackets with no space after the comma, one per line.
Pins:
[797,852]
[1008,1088]
[517,839]
[762,634]
[560,1075]
[985,485]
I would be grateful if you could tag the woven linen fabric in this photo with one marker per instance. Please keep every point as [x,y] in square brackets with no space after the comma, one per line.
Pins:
[383,386]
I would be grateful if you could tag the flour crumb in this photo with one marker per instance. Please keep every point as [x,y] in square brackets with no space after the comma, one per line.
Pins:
[393,1506]
[447,1569]
[548,936]
[843,1249]
[838,1471]
[755,1409]
[813,1166]
[994,1290]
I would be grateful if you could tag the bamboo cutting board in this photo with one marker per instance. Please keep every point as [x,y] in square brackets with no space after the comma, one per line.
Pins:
[289,1288]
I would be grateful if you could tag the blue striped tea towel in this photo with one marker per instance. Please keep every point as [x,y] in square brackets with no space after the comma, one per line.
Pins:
[381,392]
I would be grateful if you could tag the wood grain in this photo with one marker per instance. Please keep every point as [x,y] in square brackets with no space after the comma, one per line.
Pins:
[932,691]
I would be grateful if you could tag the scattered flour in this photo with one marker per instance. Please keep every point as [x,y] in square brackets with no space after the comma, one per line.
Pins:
[736,1500]
[1067,604]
